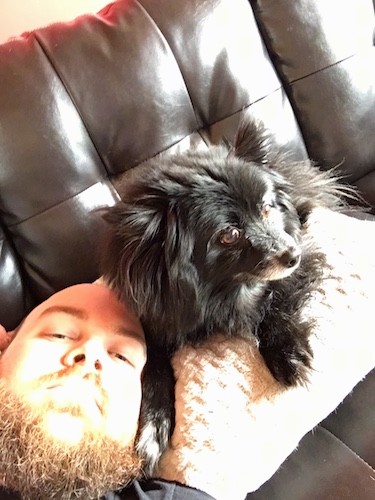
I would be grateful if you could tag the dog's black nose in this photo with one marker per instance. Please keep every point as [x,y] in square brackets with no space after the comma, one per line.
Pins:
[291,257]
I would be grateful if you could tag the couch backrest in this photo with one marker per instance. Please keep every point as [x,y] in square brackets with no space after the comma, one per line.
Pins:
[82,102]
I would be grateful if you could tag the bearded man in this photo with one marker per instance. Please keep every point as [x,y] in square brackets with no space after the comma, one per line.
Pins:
[70,396]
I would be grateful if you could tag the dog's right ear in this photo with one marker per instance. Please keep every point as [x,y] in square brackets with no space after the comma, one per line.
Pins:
[253,143]
[131,253]
[147,259]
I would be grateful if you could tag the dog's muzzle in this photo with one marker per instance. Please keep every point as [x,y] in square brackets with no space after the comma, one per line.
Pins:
[280,265]
[291,258]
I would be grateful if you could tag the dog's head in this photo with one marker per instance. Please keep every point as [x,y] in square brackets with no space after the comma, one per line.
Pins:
[197,224]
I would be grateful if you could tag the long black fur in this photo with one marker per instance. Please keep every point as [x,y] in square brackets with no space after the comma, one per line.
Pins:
[213,241]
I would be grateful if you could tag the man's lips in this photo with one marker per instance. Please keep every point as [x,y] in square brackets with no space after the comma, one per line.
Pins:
[78,393]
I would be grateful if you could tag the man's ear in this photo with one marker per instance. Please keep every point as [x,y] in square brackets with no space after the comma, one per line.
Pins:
[5,338]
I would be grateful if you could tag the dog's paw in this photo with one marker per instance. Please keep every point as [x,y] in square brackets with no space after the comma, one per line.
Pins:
[157,416]
[290,365]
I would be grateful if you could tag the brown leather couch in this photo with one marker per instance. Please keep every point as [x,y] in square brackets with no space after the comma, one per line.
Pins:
[81,102]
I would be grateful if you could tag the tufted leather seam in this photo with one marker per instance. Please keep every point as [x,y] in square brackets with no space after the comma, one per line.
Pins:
[157,27]
[354,179]
[106,10]
[51,207]
[206,125]
[320,70]
[65,86]
[273,55]
[337,439]
[199,131]
[284,82]
[369,174]
[287,85]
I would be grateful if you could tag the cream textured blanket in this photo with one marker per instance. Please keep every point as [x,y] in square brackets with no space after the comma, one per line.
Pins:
[235,424]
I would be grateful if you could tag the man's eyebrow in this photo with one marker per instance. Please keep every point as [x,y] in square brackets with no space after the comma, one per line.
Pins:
[72,311]
[125,332]
[83,315]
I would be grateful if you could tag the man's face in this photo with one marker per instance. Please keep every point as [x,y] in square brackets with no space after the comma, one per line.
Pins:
[76,362]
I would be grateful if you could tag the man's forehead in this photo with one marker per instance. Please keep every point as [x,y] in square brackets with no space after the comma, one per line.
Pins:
[89,300]
[70,310]
[123,328]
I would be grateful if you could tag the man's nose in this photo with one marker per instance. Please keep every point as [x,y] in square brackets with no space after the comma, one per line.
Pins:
[87,355]
[82,359]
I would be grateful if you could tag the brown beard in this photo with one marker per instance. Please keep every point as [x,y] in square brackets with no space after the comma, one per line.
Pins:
[38,466]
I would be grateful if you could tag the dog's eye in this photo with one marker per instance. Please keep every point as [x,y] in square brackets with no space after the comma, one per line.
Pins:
[230,236]
[266,210]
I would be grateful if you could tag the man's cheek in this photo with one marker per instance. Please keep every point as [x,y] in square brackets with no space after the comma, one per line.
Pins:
[19,372]
[123,412]
[7,367]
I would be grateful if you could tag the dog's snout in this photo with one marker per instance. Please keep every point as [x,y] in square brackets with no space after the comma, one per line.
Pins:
[290,258]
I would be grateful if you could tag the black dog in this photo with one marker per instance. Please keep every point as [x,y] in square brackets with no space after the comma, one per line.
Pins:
[213,241]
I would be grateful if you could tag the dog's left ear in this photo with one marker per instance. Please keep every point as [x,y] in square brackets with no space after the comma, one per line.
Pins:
[253,143]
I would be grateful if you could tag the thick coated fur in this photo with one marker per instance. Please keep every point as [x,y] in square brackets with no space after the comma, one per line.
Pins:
[213,241]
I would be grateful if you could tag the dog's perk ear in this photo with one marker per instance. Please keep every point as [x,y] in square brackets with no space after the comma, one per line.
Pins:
[253,143]
[147,258]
